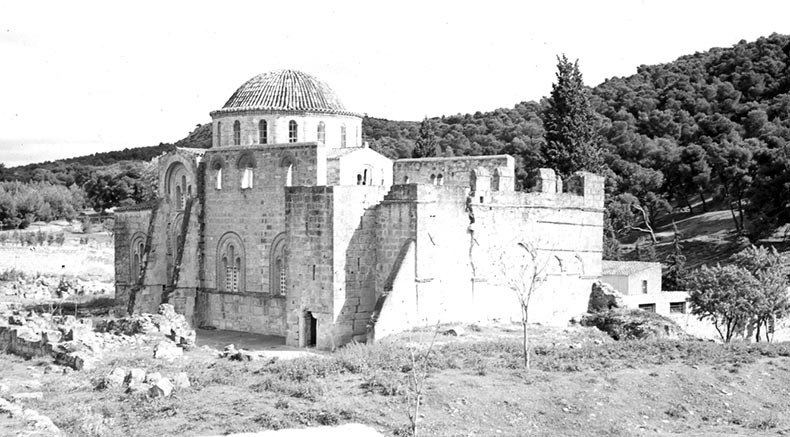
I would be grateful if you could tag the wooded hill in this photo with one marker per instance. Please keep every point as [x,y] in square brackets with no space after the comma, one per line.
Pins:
[712,126]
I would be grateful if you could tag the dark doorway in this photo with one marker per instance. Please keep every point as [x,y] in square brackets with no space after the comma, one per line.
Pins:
[310,330]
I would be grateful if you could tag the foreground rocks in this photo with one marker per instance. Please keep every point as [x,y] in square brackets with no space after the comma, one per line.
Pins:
[603,298]
[630,324]
[80,345]
[34,421]
[136,381]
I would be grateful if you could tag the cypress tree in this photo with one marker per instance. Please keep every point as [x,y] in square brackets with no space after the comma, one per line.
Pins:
[572,140]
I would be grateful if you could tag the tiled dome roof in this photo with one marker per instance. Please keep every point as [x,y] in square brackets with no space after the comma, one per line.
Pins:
[285,90]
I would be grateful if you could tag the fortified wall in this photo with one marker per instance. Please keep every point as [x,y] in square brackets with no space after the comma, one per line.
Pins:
[457,254]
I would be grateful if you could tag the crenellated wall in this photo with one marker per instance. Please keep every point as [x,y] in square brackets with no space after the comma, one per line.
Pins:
[453,171]
[468,248]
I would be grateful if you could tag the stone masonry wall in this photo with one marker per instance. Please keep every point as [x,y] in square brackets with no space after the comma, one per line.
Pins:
[128,224]
[454,171]
[257,217]
[467,252]
[354,241]
[309,221]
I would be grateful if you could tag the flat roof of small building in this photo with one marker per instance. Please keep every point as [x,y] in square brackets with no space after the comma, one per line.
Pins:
[626,268]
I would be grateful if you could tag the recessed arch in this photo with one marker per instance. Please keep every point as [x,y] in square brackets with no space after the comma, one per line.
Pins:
[231,263]
[136,257]
[277,266]
[177,181]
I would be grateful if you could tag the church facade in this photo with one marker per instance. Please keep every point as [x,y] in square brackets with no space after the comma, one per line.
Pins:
[290,226]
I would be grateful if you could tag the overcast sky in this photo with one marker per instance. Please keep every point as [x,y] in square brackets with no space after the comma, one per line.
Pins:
[82,77]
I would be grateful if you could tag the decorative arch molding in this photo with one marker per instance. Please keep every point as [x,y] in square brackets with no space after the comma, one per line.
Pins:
[231,263]
[217,163]
[288,159]
[246,160]
[277,266]
[178,170]
[137,257]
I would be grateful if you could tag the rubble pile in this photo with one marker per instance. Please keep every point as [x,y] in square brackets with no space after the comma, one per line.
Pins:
[230,352]
[39,288]
[78,344]
[137,381]
[45,288]
[173,325]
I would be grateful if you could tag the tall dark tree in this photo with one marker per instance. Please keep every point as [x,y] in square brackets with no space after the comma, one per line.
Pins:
[572,140]
[427,141]
[675,274]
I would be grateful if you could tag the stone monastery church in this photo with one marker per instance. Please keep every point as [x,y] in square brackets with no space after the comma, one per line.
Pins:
[289,225]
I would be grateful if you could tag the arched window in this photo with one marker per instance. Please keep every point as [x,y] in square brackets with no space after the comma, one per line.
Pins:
[359,179]
[230,263]
[137,248]
[343,136]
[321,132]
[440,180]
[246,164]
[365,177]
[293,135]
[433,179]
[287,166]
[183,187]
[263,132]
[219,133]
[277,268]
[176,184]
[236,133]
[217,167]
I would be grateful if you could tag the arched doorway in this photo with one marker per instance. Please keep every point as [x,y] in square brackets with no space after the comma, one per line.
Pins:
[310,330]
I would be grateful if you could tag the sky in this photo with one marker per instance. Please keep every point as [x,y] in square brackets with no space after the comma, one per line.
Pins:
[81,77]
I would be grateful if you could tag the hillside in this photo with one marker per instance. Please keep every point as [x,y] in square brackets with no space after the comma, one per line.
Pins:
[710,127]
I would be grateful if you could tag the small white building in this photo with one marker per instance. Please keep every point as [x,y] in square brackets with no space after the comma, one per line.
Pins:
[640,284]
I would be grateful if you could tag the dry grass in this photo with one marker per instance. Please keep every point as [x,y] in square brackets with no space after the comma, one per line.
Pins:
[475,387]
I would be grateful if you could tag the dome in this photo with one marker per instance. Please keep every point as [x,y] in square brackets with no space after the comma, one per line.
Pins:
[285,90]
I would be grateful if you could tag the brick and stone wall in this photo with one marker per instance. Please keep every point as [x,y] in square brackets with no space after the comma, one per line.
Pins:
[129,225]
[256,217]
[310,265]
[307,128]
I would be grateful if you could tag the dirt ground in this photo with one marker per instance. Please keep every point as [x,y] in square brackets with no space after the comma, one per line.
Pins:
[477,387]
[581,381]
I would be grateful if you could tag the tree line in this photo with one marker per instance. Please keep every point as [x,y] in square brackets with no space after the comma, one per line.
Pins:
[712,126]
[709,127]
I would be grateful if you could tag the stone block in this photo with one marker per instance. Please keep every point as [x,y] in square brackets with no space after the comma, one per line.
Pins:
[161,388]
[167,350]
[181,381]
[134,376]
[115,378]
[51,336]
